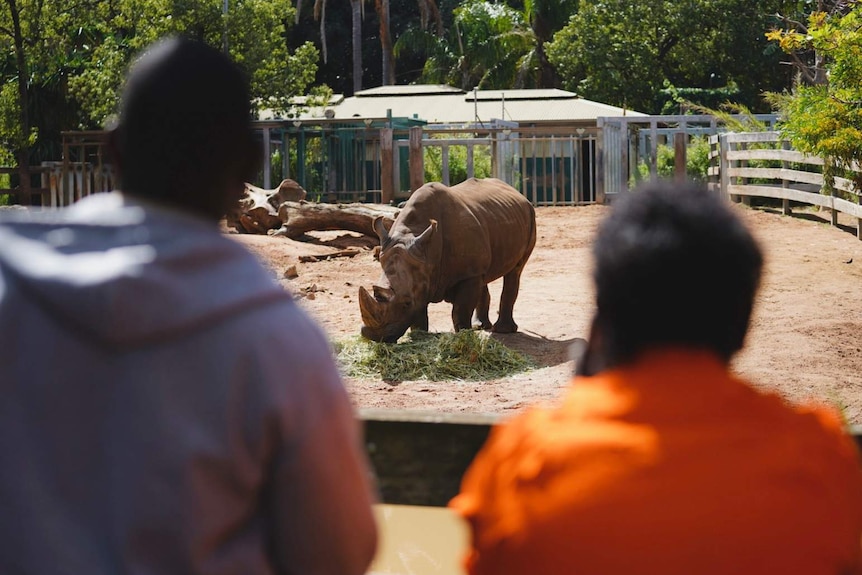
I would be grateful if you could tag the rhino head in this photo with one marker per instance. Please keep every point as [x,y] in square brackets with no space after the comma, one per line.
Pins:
[401,295]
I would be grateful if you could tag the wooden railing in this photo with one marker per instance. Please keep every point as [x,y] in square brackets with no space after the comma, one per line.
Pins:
[42,191]
[761,164]
[61,183]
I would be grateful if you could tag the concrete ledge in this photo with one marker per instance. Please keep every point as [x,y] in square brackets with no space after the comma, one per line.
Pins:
[419,457]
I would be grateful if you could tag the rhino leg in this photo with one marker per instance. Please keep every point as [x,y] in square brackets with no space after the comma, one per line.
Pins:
[420,320]
[511,284]
[482,308]
[465,296]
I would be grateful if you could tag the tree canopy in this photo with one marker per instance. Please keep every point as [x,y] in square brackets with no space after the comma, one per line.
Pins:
[626,53]
[825,118]
[63,62]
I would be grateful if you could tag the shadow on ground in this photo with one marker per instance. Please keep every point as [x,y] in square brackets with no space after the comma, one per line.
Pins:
[812,216]
[342,241]
[543,351]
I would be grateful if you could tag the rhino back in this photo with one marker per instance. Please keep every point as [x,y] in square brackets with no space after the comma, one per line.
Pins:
[486,227]
[507,220]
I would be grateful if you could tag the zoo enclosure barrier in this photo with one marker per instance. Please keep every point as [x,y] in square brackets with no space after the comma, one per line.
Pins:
[387,160]
[761,164]
[82,171]
[628,144]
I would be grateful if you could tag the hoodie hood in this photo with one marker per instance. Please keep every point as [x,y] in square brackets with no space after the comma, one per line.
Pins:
[126,273]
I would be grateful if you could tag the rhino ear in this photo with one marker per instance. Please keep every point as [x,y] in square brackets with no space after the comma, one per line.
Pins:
[381,230]
[419,245]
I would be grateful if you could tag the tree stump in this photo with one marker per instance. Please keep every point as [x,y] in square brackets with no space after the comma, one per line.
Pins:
[257,211]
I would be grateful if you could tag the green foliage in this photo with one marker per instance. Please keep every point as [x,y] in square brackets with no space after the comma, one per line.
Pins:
[11,135]
[490,45]
[623,52]
[257,36]
[674,100]
[276,167]
[734,117]
[826,119]
[96,87]
[697,159]
[433,163]
[465,355]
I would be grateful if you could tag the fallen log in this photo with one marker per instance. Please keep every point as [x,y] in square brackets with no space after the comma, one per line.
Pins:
[301,217]
[257,211]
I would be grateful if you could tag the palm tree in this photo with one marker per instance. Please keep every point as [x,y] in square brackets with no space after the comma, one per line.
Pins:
[428,13]
[388,72]
[356,35]
[546,17]
[488,46]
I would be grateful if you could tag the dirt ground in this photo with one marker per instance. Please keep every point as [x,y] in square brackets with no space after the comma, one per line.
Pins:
[805,340]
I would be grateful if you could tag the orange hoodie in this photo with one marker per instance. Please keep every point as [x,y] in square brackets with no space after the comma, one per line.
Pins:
[669,466]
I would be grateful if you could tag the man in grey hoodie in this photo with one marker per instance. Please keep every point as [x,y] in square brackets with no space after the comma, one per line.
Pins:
[165,407]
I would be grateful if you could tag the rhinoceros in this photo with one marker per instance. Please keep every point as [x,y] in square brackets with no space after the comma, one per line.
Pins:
[448,243]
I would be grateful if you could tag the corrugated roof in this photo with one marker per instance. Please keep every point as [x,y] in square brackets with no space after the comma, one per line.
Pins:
[408,90]
[438,104]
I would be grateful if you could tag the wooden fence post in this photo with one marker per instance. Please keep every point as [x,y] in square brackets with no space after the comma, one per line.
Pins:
[416,159]
[785,203]
[600,162]
[723,166]
[387,174]
[679,156]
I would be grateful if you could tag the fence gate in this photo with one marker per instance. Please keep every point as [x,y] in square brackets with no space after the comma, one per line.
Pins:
[548,166]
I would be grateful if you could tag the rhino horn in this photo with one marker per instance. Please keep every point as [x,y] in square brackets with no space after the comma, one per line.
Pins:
[369,308]
[417,246]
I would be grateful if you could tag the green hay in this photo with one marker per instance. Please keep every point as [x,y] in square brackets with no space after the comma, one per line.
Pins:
[466,355]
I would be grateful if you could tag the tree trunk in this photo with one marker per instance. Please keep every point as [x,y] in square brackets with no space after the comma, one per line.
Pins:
[301,217]
[356,10]
[22,154]
[320,14]
[388,72]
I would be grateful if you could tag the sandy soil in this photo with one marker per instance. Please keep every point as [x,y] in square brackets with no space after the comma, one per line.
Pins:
[805,341]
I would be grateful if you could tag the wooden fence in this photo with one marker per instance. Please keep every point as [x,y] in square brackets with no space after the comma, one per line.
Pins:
[83,170]
[761,164]
[549,166]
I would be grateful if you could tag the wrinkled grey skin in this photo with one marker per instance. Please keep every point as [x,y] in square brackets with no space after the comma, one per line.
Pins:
[448,243]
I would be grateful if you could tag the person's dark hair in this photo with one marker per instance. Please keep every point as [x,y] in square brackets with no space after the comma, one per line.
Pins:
[184,134]
[674,265]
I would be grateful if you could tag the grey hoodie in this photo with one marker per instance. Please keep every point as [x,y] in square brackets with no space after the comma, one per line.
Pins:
[165,407]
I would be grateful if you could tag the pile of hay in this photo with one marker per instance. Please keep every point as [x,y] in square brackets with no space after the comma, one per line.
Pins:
[466,355]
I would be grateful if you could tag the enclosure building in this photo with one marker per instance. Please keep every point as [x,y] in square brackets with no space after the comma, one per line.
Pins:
[383,142]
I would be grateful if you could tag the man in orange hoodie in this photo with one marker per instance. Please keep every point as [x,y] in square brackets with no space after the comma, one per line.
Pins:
[659,459]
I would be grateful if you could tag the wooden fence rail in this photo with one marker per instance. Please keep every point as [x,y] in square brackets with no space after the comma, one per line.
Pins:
[761,164]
